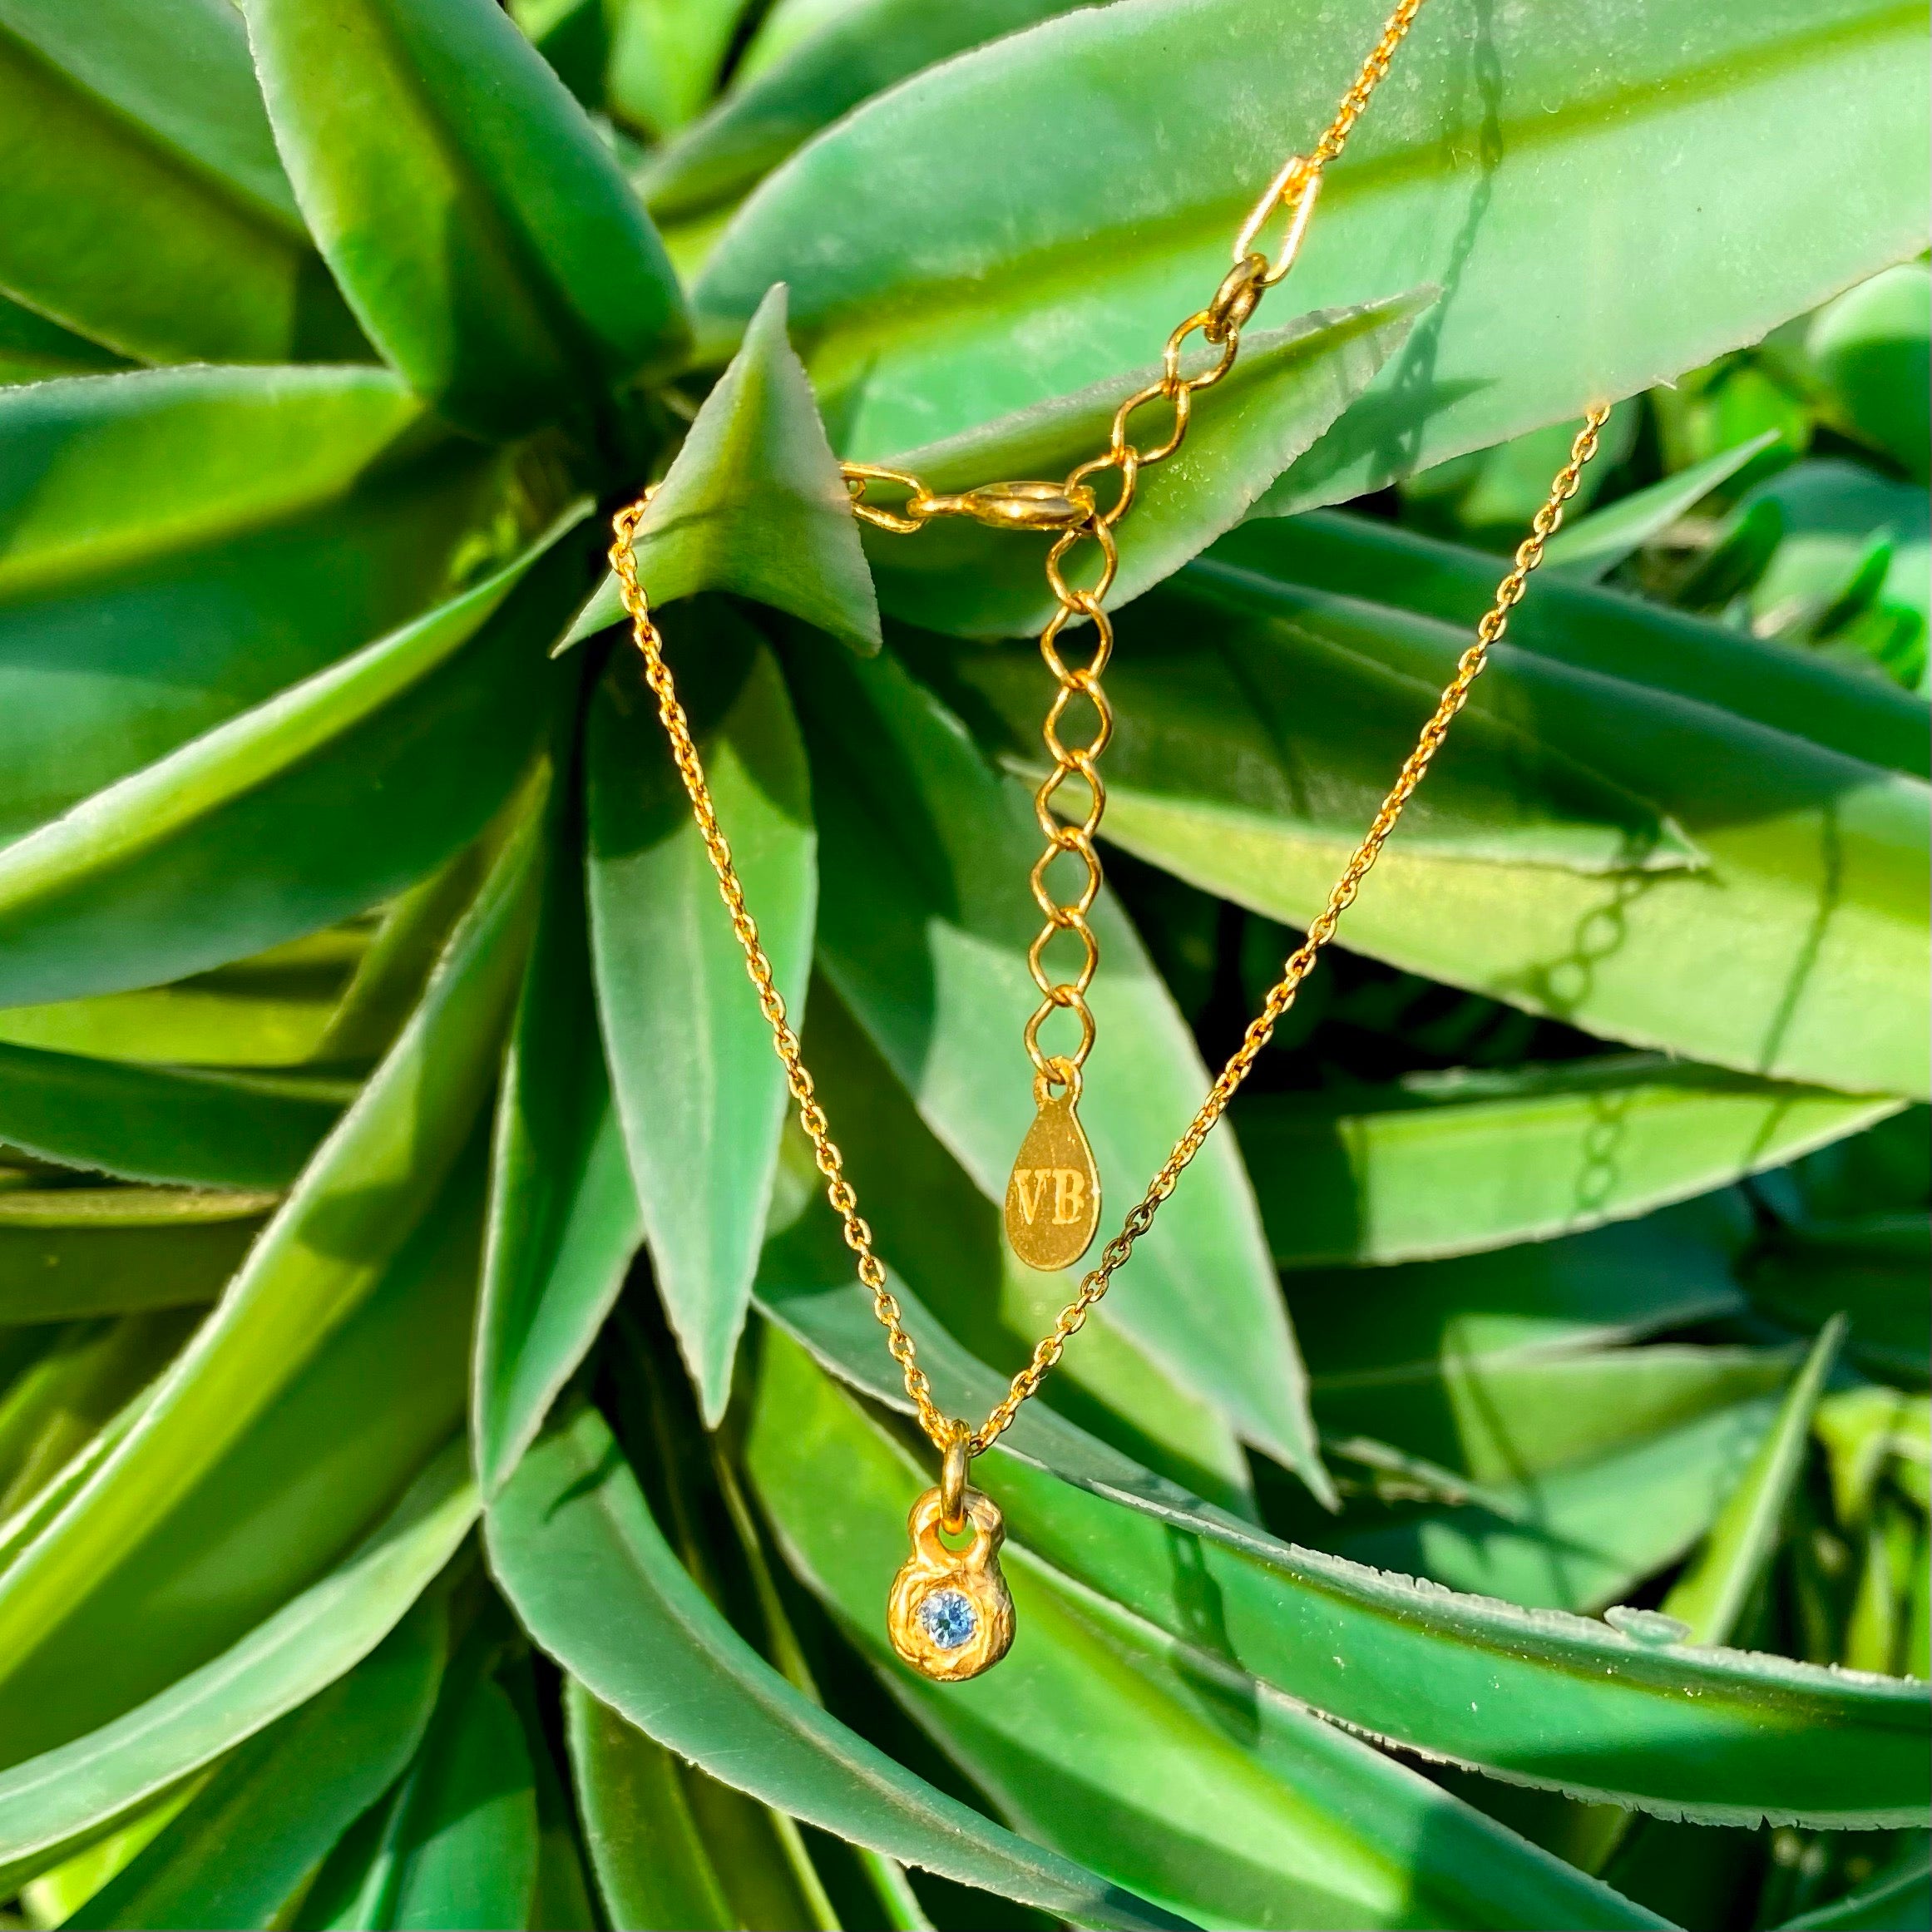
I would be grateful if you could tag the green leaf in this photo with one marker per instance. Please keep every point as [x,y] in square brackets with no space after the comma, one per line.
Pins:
[459,1843]
[1668,1270]
[1579,1534]
[699,1092]
[69,1251]
[573,1544]
[956,575]
[1246,718]
[562,1895]
[1457,1163]
[1546,169]
[161,1124]
[482,231]
[651,1863]
[1896,1900]
[330,795]
[1510,1419]
[923,928]
[1851,537]
[1869,1267]
[338,1347]
[1195,1785]
[1871,348]
[1619,637]
[51,1803]
[754,502]
[787,86]
[1711,1596]
[256,1830]
[33,349]
[181,544]
[389,976]
[141,200]
[665,58]
[65,1399]
[564,1219]
[1794,951]
[1538,1697]
[196,1022]
[1589,547]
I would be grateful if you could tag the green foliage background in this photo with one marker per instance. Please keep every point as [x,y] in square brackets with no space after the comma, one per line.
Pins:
[448,1474]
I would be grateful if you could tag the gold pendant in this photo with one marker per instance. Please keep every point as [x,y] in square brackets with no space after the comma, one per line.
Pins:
[1053,1199]
[948,1613]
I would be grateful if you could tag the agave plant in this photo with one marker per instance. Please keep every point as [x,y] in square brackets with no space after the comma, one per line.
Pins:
[449,1474]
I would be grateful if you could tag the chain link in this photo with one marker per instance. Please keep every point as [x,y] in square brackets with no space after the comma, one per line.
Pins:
[1073,513]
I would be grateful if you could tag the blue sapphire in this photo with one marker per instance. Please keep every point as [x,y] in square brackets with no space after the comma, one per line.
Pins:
[949,1619]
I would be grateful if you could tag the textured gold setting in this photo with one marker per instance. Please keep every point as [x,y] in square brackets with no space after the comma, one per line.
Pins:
[931,1572]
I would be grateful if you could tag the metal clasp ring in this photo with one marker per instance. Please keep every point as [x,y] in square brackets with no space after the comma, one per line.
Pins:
[1294,188]
[952,1481]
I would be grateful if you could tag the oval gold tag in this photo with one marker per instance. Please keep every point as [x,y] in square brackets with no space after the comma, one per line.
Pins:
[1053,1200]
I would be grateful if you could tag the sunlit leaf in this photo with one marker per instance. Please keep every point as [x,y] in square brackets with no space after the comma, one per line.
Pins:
[1543,159]
[479,228]
[1455,1163]
[141,200]
[70,1251]
[339,1346]
[1590,546]
[1792,946]
[664,58]
[753,502]
[564,1219]
[324,799]
[1626,638]
[792,80]
[54,1803]
[699,1093]
[182,544]
[1711,1595]
[256,1830]
[154,1124]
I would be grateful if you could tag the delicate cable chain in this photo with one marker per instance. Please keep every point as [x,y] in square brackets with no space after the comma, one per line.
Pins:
[839,1190]
[1072,511]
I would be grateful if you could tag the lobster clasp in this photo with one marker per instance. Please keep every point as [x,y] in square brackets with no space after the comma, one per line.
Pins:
[1024,505]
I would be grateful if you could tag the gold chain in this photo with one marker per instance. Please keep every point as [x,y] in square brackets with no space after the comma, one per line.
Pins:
[1071,510]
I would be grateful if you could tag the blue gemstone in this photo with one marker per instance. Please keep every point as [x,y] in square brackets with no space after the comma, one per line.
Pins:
[949,1619]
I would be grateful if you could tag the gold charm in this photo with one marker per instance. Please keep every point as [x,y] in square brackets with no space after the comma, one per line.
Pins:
[1053,1200]
[949,1614]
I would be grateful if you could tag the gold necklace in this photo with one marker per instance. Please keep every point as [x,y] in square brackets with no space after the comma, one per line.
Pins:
[949,1614]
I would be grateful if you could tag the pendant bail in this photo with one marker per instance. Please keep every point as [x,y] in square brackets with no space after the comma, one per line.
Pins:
[952,1481]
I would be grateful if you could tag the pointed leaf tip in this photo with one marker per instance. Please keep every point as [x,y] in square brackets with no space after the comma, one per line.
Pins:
[755,503]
